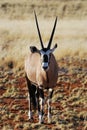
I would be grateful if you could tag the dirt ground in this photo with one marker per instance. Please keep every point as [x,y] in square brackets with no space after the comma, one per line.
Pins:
[17,33]
[69,102]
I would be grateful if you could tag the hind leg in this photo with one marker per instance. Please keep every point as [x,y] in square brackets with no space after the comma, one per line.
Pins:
[30,115]
[32,99]
[49,105]
[29,96]
[40,104]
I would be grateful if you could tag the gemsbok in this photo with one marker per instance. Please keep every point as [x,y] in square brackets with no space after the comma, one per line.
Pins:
[41,74]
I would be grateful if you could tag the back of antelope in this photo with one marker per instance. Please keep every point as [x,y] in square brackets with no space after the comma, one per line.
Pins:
[41,73]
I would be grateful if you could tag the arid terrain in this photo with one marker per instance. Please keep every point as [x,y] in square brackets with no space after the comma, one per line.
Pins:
[17,32]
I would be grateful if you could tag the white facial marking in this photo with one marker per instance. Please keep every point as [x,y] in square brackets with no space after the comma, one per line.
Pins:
[45,64]
[47,52]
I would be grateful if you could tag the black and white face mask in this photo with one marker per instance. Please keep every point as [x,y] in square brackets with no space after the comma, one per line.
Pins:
[45,58]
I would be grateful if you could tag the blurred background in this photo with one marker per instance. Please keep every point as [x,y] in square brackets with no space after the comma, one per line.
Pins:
[18,30]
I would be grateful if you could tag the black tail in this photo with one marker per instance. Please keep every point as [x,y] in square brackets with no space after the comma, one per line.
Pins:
[32,90]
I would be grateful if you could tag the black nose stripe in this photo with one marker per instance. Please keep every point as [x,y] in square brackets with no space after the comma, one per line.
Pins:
[45,58]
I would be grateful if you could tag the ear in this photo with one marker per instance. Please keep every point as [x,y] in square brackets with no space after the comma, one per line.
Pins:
[55,46]
[33,49]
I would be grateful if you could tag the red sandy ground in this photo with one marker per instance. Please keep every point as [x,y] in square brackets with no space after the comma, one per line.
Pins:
[69,103]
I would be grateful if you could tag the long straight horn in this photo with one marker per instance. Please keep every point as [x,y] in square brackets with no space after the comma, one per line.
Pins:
[38,31]
[50,41]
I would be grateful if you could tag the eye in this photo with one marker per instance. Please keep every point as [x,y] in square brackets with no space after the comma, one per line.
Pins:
[49,55]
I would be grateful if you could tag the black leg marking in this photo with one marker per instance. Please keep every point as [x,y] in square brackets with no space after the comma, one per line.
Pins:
[37,97]
[32,96]
[41,100]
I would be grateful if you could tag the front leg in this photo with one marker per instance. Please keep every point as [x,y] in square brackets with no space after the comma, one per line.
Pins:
[49,105]
[29,96]
[41,108]
[30,110]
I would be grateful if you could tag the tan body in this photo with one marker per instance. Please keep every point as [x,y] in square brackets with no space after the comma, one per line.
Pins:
[37,75]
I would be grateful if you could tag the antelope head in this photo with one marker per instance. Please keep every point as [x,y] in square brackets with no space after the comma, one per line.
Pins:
[45,52]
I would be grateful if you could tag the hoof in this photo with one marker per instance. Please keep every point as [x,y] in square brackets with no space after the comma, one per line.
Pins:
[31,120]
[42,122]
[41,119]
[49,121]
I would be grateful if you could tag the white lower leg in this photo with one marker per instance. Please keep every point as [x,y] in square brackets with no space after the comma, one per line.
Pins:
[49,118]
[49,105]
[41,120]
[49,111]
[30,114]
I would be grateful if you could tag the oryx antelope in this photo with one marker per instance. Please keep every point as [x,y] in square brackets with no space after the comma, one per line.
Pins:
[41,73]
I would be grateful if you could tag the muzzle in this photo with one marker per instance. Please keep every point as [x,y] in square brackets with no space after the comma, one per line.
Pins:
[45,65]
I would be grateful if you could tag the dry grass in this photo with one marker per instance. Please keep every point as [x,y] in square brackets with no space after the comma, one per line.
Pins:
[47,8]
[16,37]
[18,29]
